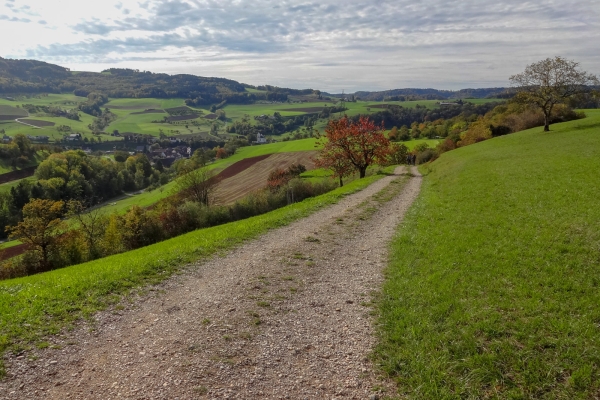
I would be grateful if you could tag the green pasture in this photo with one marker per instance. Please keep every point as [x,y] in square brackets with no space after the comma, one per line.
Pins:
[250,90]
[43,304]
[235,111]
[493,285]
[145,103]
[10,110]
[63,100]
[142,123]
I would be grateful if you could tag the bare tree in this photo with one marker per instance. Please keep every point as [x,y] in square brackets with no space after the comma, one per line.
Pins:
[197,184]
[550,82]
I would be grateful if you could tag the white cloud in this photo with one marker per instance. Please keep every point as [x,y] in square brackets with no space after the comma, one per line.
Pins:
[327,44]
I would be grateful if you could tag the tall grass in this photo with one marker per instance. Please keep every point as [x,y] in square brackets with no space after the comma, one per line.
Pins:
[493,285]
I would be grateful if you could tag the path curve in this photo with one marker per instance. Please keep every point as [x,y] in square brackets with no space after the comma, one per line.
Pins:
[25,123]
[283,316]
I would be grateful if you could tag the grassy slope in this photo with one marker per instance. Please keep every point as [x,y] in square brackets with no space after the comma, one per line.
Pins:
[43,304]
[492,290]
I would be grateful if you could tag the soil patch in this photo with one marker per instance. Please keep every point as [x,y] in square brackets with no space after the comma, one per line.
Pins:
[19,174]
[240,166]
[178,109]
[149,111]
[210,116]
[9,117]
[13,251]
[35,122]
[182,117]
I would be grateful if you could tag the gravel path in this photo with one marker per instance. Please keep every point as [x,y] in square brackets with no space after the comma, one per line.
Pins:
[285,316]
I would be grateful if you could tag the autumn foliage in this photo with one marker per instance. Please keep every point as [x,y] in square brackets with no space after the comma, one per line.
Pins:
[352,146]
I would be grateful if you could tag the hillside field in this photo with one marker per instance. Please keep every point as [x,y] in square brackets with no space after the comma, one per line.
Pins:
[492,289]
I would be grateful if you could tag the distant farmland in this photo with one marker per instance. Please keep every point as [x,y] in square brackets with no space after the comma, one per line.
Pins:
[8,113]
[35,122]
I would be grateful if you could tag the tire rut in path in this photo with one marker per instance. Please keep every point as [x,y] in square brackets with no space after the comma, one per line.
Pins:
[283,316]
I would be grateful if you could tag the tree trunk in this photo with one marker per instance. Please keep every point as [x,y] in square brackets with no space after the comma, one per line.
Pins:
[44,267]
[362,172]
[546,123]
[341,182]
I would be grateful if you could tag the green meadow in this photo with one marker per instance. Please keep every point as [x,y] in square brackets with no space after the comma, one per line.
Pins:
[492,290]
[43,304]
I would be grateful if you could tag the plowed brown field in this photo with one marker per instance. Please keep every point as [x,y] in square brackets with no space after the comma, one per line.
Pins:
[255,176]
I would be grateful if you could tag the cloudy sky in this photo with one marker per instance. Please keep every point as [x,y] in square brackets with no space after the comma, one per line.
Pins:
[327,45]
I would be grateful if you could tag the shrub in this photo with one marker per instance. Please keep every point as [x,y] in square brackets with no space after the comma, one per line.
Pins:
[426,156]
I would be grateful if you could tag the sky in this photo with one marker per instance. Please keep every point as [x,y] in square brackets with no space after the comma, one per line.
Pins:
[337,45]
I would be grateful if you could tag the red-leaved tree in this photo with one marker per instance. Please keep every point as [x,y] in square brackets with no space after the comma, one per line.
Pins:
[349,146]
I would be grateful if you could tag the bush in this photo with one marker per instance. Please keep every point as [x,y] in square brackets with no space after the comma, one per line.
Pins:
[426,156]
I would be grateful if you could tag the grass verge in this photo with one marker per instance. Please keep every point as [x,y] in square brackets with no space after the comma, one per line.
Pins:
[43,304]
[493,285]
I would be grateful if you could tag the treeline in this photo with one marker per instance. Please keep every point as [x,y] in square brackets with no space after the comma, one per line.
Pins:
[398,115]
[411,94]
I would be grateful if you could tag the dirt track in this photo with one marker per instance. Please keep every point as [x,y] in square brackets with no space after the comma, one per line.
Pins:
[284,316]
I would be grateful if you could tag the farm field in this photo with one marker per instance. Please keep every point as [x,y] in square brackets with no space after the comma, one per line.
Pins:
[255,177]
[492,290]
[8,113]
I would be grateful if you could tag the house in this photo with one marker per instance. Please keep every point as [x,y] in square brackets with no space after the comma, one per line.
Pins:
[260,139]
[73,136]
[40,138]
[158,153]
[140,149]
[6,139]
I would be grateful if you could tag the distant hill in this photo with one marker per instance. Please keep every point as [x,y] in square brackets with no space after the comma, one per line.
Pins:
[429,94]
[31,76]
